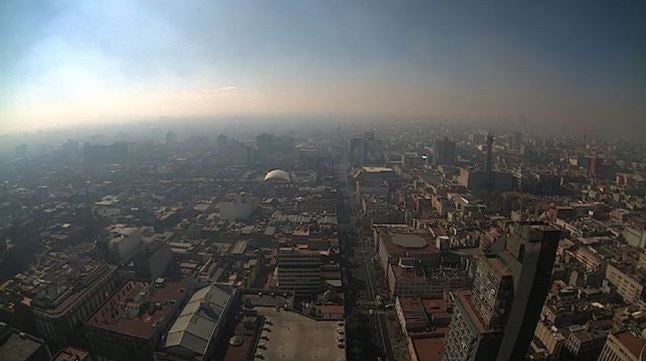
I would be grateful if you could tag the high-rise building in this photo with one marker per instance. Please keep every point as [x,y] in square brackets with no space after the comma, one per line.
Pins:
[497,319]
[478,319]
[493,291]
[593,164]
[265,142]
[517,140]
[358,149]
[299,270]
[489,159]
[530,251]
[444,152]
[469,338]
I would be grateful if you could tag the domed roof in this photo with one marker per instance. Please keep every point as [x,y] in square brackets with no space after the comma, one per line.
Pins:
[277,174]
[409,241]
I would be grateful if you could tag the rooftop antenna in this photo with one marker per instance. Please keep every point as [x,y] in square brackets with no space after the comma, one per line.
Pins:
[489,159]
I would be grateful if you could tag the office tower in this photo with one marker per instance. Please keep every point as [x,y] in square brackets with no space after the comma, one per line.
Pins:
[444,152]
[265,143]
[517,140]
[493,291]
[370,135]
[497,319]
[299,270]
[478,319]
[469,339]
[489,159]
[530,251]
[358,149]
[171,137]
[593,163]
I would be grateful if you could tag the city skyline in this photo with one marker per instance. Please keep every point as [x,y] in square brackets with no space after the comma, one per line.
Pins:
[566,64]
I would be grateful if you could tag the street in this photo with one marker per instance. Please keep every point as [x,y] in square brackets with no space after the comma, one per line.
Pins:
[359,273]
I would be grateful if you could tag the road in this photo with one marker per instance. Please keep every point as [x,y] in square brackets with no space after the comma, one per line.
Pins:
[363,269]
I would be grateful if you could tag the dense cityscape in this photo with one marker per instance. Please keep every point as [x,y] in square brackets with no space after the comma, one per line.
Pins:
[412,242]
[308,180]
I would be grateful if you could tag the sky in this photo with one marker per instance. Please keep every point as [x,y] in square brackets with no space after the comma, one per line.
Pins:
[572,63]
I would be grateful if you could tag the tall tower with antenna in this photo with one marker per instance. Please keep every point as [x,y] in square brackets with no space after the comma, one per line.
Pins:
[489,159]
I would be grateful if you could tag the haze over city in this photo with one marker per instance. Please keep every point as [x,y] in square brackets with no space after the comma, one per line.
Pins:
[564,64]
[322,180]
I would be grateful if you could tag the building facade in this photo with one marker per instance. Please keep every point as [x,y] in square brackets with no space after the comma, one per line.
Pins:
[59,318]
[299,270]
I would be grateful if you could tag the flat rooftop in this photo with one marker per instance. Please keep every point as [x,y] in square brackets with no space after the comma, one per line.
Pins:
[429,348]
[121,313]
[376,169]
[295,337]
[398,244]
[17,347]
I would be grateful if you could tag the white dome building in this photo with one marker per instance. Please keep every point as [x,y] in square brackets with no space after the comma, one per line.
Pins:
[278,175]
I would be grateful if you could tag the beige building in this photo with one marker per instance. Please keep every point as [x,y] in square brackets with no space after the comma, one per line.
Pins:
[629,285]
[59,315]
[588,257]
[550,337]
[623,346]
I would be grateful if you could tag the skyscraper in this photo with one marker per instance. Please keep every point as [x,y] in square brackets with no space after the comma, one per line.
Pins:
[469,339]
[493,291]
[530,251]
[444,152]
[477,323]
[265,143]
[489,159]
[496,321]
[358,149]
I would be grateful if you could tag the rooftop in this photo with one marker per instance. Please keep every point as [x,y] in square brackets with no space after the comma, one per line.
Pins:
[429,348]
[137,308]
[631,342]
[285,339]
[17,346]
[401,243]
[199,319]
[376,169]
[71,354]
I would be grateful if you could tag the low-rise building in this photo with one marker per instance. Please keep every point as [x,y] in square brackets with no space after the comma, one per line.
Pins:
[131,323]
[200,324]
[59,310]
[19,346]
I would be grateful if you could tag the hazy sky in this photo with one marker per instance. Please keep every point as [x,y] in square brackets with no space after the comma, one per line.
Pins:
[67,62]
